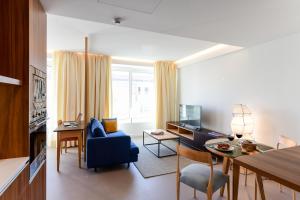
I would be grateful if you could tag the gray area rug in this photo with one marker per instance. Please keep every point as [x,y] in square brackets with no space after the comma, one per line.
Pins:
[149,165]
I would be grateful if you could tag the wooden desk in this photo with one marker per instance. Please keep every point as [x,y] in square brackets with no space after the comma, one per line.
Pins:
[67,132]
[281,166]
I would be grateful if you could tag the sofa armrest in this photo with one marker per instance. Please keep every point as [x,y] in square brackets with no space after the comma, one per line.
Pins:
[107,150]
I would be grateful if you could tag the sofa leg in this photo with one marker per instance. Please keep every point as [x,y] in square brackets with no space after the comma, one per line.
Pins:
[128,165]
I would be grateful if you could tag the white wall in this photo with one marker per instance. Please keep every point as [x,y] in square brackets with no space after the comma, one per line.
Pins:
[265,77]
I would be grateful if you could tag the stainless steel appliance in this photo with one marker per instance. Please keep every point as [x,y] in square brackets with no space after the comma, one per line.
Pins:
[38,117]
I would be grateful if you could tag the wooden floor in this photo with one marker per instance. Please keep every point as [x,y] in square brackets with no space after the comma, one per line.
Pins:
[121,183]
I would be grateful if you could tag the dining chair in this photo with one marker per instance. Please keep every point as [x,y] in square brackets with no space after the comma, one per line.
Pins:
[200,176]
[285,142]
[79,118]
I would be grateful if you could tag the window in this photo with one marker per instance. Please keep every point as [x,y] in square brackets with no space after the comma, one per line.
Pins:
[132,93]
[121,98]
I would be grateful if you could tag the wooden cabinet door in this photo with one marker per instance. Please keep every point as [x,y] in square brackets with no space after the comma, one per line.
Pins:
[14,37]
[38,185]
[19,188]
[37,36]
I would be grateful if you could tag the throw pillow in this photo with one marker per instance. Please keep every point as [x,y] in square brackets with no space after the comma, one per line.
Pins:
[99,132]
[110,125]
[90,124]
[94,125]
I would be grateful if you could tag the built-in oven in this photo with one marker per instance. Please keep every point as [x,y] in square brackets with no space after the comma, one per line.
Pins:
[38,117]
[38,144]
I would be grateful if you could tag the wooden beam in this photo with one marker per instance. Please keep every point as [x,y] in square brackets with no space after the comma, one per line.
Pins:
[86,63]
[86,40]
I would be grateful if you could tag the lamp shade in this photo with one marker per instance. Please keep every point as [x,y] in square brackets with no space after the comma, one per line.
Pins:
[240,109]
[242,121]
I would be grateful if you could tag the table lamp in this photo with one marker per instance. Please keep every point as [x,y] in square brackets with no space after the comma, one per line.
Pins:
[242,121]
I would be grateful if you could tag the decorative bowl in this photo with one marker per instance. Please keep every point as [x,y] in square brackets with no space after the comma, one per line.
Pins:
[249,146]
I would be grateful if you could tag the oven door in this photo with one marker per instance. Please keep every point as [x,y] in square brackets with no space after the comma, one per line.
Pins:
[37,148]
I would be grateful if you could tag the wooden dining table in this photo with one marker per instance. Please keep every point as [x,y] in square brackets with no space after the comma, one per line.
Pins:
[228,156]
[282,166]
[71,131]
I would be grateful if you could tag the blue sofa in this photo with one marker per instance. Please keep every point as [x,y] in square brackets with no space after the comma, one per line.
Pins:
[110,149]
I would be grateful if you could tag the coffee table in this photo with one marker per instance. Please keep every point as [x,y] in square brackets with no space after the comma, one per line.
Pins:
[159,138]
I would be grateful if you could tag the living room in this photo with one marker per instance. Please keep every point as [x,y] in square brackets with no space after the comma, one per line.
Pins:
[155,99]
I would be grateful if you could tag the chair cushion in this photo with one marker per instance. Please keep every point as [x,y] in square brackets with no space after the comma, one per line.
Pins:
[197,176]
[110,125]
[134,150]
[99,132]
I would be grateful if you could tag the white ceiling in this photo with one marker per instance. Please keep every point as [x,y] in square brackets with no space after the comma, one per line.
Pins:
[236,22]
[66,33]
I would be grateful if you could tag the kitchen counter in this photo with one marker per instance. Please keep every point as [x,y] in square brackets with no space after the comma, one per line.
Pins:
[9,170]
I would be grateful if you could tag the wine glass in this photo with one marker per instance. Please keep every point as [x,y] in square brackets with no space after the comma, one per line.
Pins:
[230,137]
[239,136]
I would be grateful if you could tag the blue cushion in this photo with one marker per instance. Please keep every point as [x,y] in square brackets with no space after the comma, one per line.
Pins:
[99,132]
[116,134]
[94,125]
[197,176]
[90,124]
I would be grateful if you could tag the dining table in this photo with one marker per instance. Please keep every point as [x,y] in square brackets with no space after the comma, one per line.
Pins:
[281,166]
[235,152]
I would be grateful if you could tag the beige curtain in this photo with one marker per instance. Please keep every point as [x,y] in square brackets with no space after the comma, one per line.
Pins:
[71,85]
[98,86]
[70,72]
[166,92]
[70,82]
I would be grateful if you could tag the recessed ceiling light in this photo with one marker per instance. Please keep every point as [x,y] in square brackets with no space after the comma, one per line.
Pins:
[117,20]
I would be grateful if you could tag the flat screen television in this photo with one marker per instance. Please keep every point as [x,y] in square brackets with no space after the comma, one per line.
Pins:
[190,116]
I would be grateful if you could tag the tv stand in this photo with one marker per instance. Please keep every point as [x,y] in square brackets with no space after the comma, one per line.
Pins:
[193,138]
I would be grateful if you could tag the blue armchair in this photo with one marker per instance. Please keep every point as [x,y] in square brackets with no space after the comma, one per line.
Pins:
[113,148]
